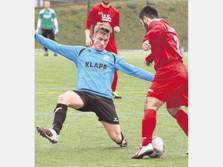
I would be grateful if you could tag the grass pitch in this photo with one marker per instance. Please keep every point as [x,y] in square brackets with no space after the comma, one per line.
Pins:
[83,141]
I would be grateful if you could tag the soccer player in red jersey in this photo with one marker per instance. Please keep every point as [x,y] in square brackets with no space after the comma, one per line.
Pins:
[104,12]
[170,84]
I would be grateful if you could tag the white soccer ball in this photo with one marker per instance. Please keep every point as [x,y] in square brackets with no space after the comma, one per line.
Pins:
[158,146]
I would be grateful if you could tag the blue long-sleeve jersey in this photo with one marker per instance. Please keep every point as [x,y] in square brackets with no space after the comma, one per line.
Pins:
[95,69]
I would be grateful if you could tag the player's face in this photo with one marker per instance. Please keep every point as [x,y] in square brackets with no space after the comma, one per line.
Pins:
[100,41]
[105,2]
[47,4]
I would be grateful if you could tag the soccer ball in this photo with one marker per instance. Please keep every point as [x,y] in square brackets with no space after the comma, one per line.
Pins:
[158,147]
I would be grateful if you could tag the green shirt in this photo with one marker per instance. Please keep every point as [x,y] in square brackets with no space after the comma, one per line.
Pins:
[47,18]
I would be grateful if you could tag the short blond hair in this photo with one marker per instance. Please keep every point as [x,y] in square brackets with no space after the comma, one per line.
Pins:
[104,28]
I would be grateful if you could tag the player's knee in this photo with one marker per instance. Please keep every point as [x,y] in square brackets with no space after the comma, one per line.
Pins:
[152,103]
[62,99]
[65,98]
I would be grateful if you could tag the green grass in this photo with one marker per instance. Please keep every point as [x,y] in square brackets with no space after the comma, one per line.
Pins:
[83,141]
[72,17]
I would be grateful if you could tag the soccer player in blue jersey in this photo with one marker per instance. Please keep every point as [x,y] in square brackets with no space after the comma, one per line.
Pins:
[95,72]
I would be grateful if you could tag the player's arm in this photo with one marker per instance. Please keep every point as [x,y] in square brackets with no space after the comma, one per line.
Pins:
[39,22]
[88,40]
[158,30]
[133,70]
[55,22]
[146,45]
[70,52]
[117,22]
[88,25]
[38,26]
[56,26]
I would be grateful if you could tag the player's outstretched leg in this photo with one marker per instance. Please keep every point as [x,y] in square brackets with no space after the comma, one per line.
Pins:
[49,134]
[60,113]
[52,134]
[114,132]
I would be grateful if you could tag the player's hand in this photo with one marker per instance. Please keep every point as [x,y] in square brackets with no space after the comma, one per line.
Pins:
[37,31]
[148,60]
[56,31]
[146,45]
[147,63]
[117,29]
[88,42]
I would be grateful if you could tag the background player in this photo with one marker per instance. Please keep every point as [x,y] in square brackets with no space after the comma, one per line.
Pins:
[47,24]
[96,68]
[170,84]
[104,12]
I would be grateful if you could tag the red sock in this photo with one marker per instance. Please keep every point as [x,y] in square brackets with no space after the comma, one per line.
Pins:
[148,126]
[182,120]
[115,80]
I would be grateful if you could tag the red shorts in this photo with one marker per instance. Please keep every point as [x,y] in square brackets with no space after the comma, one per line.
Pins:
[170,85]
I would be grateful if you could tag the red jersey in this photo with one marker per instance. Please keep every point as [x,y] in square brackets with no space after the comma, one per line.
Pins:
[110,15]
[171,79]
[164,43]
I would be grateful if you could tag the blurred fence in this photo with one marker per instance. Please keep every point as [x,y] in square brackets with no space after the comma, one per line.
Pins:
[39,3]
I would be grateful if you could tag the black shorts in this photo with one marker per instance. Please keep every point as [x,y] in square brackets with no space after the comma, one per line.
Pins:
[48,33]
[103,107]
